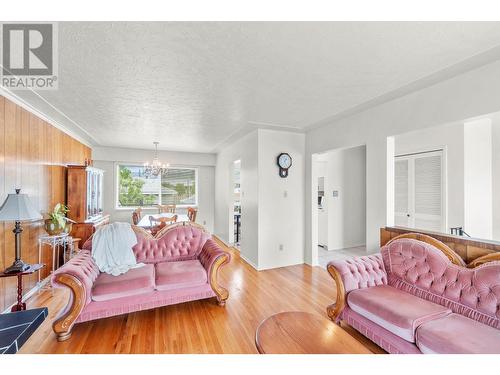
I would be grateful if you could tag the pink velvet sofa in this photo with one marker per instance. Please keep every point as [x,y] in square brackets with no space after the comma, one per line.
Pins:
[411,298]
[181,264]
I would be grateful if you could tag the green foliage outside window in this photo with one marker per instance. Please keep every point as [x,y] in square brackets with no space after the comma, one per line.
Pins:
[130,190]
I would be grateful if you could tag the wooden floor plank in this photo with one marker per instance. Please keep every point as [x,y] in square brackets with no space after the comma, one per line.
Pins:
[198,326]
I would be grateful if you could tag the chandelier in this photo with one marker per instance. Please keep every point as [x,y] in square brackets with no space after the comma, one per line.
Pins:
[156,168]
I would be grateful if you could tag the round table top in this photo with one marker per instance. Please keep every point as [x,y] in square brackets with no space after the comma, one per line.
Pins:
[297,332]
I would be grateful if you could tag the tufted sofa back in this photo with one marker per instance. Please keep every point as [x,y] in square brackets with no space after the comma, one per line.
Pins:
[179,243]
[421,269]
[361,272]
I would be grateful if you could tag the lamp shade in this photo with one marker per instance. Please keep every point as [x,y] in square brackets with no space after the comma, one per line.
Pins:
[18,207]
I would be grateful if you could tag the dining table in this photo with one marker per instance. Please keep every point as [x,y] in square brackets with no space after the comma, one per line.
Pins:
[145,223]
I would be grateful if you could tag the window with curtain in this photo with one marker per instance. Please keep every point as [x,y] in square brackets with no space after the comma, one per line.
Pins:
[175,186]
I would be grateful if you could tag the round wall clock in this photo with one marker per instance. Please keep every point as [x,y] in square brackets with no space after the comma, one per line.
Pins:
[284,162]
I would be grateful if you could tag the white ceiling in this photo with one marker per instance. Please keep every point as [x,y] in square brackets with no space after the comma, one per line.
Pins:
[193,86]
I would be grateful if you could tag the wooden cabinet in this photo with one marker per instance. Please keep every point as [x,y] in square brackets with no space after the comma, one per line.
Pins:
[84,198]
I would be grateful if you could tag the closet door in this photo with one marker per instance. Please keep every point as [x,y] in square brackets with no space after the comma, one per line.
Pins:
[420,191]
[428,206]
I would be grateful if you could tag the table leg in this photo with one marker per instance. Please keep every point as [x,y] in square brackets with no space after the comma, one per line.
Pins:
[39,258]
[20,304]
[53,257]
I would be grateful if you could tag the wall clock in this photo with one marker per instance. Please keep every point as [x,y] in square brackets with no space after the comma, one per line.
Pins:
[284,163]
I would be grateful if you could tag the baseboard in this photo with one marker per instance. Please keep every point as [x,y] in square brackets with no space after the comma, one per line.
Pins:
[347,247]
[249,262]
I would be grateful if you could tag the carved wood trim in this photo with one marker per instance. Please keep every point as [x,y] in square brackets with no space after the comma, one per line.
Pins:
[221,292]
[63,324]
[172,226]
[450,254]
[336,308]
[141,231]
[484,259]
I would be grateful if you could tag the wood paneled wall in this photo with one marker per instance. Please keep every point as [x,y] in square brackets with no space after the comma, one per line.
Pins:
[33,156]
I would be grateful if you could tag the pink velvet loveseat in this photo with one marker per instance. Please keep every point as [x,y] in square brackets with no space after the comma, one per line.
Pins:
[413,297]
[181,264]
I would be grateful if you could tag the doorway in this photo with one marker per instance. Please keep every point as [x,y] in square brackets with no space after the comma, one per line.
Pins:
[419,191]
[236,194]
[339,204]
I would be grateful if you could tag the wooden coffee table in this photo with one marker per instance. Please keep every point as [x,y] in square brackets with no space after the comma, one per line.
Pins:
[297,332]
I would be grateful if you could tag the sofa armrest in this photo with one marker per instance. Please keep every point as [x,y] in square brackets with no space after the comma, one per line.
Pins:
[213,258]
[78,275]
[355,273]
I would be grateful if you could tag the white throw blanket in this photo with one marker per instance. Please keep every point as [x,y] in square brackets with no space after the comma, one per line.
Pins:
[112,248]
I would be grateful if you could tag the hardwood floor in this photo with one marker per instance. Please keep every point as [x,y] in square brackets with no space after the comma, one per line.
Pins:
[198,326]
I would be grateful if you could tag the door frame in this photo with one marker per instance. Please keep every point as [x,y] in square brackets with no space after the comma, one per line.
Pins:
[441,150]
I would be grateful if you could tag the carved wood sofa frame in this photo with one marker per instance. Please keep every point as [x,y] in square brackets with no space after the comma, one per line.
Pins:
[64,323]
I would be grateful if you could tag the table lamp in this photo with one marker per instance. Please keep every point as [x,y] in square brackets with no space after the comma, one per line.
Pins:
[17,207]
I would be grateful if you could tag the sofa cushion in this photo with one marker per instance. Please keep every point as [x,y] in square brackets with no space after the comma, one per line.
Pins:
[133,282]
[180,274]
[397,311]
[457,334]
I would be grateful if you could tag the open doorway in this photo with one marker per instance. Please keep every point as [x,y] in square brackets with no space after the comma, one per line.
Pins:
[339,204]
[236,189]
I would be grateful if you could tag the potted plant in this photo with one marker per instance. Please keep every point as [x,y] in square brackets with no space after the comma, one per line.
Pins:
[56,223]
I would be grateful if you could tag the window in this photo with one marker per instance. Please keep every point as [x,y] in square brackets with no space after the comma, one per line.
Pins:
[175,186]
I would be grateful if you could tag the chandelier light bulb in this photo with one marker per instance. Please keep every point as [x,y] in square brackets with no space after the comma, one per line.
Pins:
[156,168]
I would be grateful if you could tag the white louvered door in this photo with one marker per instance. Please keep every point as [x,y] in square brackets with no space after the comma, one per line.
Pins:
[419,191]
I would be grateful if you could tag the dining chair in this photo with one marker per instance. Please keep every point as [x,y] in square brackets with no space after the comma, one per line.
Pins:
[191,213]
[159,223]
[168,208]
[137,216]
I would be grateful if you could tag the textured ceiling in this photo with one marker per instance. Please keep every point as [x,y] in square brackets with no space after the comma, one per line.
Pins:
[191,86]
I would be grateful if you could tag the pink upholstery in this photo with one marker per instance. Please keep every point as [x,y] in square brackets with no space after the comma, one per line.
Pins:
[209,254]
[419,295]
[422,270]
[182,243]
[386,340]
[361,272]
[456,334]
[396,311]
[135,281]
[183,274]
[176,271]
[83,267]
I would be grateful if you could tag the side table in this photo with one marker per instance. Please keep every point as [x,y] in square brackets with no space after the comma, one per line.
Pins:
[64,240]
[20,306]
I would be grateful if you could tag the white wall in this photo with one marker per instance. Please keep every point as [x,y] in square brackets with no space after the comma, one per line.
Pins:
[478,181]
[496,176]
[281,200]
[450,138]
[245,150]
[346,173]
[106,158]
[465,96]
[268,218]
